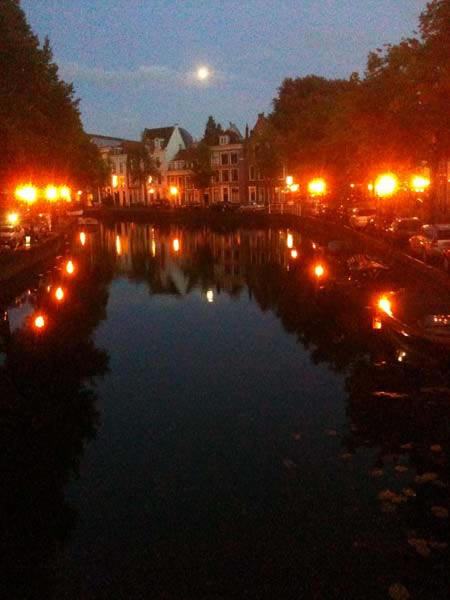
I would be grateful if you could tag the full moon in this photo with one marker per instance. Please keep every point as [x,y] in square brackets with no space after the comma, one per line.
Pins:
[202,73]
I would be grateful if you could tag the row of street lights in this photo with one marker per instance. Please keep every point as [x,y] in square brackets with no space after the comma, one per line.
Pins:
[30,194]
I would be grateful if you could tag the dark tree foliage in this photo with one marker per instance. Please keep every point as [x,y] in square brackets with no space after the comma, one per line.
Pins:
[199,156]
[140,163]
[41,134]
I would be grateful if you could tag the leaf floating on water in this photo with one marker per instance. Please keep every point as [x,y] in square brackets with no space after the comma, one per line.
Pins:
[420,546]
[425,477]
[401,468]
[386,496]
[331,432]
[376,472]
[440,512]
[397,591]
[438,545]
[289,464]
[390,394]
[408,446]
[436,448]
[409,492]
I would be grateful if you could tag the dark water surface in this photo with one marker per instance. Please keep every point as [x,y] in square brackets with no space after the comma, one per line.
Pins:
[204,417]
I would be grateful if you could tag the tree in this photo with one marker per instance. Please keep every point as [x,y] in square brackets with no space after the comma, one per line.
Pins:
[41,134]
[199,156]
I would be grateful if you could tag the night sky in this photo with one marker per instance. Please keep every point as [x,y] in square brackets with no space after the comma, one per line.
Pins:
[133,62]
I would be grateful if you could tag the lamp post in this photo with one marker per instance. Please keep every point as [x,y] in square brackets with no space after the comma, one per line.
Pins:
[385,186]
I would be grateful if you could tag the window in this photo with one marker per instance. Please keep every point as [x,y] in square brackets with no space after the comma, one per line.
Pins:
[225,175]
[252,173]
[234,175]
[215,159]
[224,158]
[234,194]
[216,194]
[261,195]
[223,140]
[252,195]
[234,158]
[225,194]
[157,144]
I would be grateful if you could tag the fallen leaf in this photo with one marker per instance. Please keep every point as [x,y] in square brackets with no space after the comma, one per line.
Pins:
[390,394]
[401,468]
[425,477]
[386,496]
[376,472]
[440,512]
[397,591]
[346,456]
[436,448]
[408,446]
[420,546]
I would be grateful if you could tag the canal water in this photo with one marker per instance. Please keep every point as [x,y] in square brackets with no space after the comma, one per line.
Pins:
[209,414]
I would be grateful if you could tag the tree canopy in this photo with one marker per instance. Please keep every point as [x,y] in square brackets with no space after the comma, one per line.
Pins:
[41,133]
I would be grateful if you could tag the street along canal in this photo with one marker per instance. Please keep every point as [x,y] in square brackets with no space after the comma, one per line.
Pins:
[207,414]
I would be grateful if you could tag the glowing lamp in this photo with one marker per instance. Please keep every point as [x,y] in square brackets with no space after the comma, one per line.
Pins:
[27,193]
[13,218]
[319,271]
[419,183]
[114,181]
[290,240]
[210,296]
[376,323]
[289,180]
[82,238]
[317,187]
[173,190]
[59,294]
[64,192]
[118,245]
[39,322]
[70,267]
[294,254]
[386,185]
[294,187]
[385,305]
[51,193]
[176,245]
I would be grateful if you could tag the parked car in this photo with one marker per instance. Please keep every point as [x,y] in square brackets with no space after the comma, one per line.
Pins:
[402,228]
[431,241]
[360,217]
[11,236]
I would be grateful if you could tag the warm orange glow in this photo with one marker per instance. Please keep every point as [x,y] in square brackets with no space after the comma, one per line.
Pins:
[294,253]
[114,181]
[173,190]
[51,193]
[317,187]
[419,183]
[289,180]
[150,179]
[151,190]
[27,193]
[153,248]
[39,322]
[376,323]
[385,305]
[70,267]
[290,240]
[176,245]
[294,187]
[13,218]
[65,193]
[59,294]
[370,187]
[118,245]
[386,185]
[319,271]
[82,238]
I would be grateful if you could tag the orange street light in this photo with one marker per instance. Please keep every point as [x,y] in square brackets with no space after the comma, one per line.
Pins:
[27,193]
[289,180]
[173,190]
[294,253]
[294,187]
[118,245]
[59,294]
[65,193]
[176,245]
[317,187]
[51,193]
[82,238]
[319,271]
[385,305]
[386,185]
[39,322]
[290,240]
[419,183]
[70,267]
[13,218]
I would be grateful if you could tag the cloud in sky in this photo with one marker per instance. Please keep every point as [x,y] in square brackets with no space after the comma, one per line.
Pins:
[144,75]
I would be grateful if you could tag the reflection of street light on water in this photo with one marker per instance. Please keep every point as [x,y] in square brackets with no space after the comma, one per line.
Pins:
[210,296]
